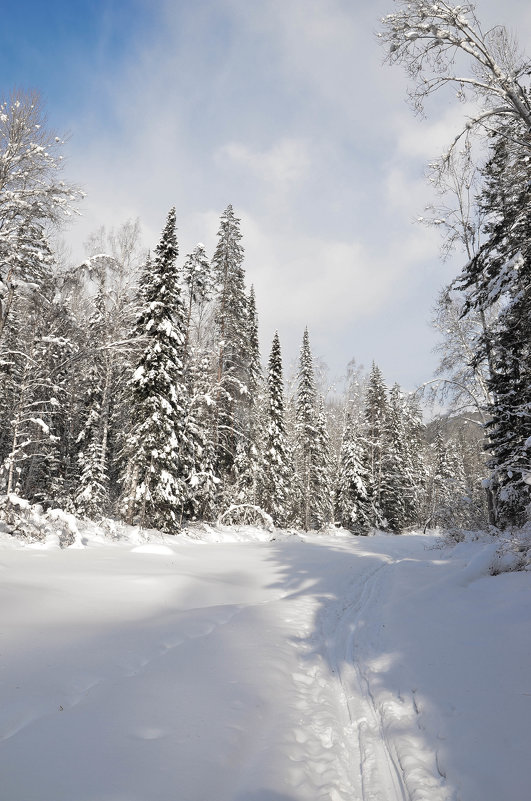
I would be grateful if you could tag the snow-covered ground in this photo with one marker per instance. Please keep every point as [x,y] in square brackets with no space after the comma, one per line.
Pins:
[225,667]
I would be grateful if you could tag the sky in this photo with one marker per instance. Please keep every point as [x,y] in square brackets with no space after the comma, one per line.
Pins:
[282,108]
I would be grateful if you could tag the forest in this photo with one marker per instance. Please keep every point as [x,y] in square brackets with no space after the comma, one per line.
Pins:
[226,571]
[132,385]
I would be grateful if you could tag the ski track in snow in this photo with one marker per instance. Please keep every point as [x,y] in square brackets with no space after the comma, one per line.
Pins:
[379,777]
[391,767]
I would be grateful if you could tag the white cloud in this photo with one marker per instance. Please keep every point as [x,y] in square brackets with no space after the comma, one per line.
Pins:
[284,164]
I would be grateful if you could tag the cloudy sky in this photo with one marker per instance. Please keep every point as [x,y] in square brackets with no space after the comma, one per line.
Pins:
[282,108]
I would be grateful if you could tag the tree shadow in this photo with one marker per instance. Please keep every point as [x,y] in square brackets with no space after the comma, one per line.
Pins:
[392,620]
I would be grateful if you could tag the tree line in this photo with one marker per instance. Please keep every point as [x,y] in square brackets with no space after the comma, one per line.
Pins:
[132,386]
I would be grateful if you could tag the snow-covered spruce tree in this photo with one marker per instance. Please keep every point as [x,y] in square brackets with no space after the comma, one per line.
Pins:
[501,274]
[397,482]
[231,347]
[254,368]
[509,429]
[312,447]
[198,279]
[403,469]
[276,484]
[352,504]
[32,198]
[91,497]
[203,481]
[447,491]
[414,460]
[247,464]
[157,462]
[322,471]
[305,431]
[199,288]
[375,441]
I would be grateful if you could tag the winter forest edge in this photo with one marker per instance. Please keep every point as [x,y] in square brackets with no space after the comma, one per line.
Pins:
[133,387]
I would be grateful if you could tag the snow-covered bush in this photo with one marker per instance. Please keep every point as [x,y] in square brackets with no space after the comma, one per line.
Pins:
[246,514]
[514,552]
[29,522]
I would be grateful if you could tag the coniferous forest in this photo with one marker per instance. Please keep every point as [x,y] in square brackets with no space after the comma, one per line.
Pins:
[132,385]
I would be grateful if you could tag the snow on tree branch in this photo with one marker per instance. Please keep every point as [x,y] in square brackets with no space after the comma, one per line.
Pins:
[440,44]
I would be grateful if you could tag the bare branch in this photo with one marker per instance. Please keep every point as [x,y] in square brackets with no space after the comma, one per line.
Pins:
[430,38]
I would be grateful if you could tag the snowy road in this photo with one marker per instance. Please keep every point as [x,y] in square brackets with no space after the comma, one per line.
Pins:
[343,669]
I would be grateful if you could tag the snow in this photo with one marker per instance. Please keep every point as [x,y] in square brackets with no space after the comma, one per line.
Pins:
[40,422]
[242,665]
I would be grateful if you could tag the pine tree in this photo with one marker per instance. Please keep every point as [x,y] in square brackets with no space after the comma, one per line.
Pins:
[276,486]
[157,459]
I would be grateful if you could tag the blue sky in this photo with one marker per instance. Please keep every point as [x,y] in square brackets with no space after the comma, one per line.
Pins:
[282,108]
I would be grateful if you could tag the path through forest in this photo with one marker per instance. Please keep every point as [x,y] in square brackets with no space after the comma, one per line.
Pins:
[302,669]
